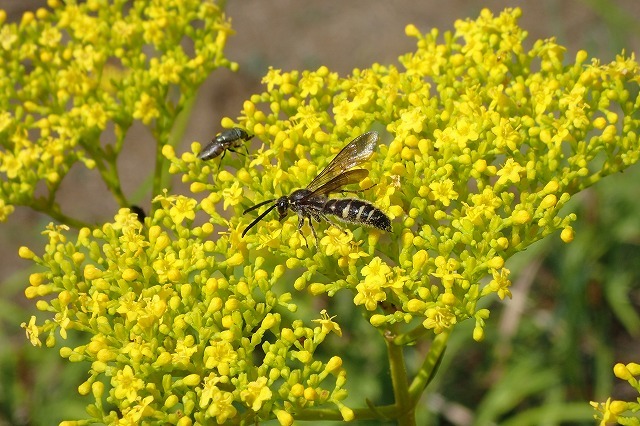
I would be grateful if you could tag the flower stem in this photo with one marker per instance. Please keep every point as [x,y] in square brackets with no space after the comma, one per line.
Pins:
[429,366]
[400,382]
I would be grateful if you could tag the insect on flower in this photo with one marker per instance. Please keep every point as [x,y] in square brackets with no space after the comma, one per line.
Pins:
[312,202]
[230,140]
[139,212]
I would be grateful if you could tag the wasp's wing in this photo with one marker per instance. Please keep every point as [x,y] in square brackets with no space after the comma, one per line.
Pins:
[334,185]
[356,152]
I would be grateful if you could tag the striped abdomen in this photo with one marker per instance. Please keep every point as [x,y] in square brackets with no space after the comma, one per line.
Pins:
[357,211]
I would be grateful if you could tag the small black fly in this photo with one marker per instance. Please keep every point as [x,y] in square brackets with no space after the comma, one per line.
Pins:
[230,140]
[138,212]
[313,203]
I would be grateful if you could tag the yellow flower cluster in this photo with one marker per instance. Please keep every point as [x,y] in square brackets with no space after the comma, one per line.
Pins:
[479,155]
[482,144]
[69,71]
[181,333]
[617,411]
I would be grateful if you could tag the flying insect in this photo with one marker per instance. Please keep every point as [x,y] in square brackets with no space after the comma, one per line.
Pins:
[229,140]
[313,203]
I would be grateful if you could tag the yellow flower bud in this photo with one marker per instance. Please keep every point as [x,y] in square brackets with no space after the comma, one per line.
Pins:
[26,253]
[130,274]
[496,263]
[171,401]
[168,152]
[448,299]
[377,320]
[567,234]
[297,390]
[334,364]
[419,259]
[411,31]
[185,421]
[163,359]
[310,394]
[520,217]
[502,243]
[549,201]
[269,321]
[304,356]
[84,388]
[347,413]
[196,187]
[415,305]
[192,380]
[36,279]
[97,388]
[284,418]
[235,260]
[634,368]
[225,176]
[622,372]
[317,289]
[91,272]
[478,334]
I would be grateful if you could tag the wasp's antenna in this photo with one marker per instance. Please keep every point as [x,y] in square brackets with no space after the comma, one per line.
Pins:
[259,218]
[257,206]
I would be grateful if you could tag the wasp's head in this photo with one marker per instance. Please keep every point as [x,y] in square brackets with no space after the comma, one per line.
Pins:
[282,205]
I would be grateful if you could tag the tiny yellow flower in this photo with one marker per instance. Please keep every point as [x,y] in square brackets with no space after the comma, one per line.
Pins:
[337,241]
[376,272]
[126,384]
[8,36]
[183,208]
[439,319]
[510,172]
[272,79]
[369,294]
[232,195]
[310,83]
[327,324]
[443,192]
[446,270]
[218,353]
[84,57]
[500,283]
[256,393]
[32,331]
[185,348]
[220,407]
[167,71]
[145,109]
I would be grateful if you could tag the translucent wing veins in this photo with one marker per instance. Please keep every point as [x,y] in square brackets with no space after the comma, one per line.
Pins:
[355,152]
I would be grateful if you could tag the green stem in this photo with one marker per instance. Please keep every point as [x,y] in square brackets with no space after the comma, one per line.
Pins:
[411,337]
[53,210]
[429,366]
[107,167]
[400,382]
[173,132]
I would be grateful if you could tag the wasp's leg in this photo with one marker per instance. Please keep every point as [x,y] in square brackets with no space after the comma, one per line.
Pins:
[317,216]
[334,223]
[301,218]
[357,190]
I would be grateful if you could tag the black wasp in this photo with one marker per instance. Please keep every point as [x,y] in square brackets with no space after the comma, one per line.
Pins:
[228,140]
[312,202]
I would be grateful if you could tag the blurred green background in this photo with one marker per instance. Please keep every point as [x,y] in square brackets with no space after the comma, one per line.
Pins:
[547,352]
